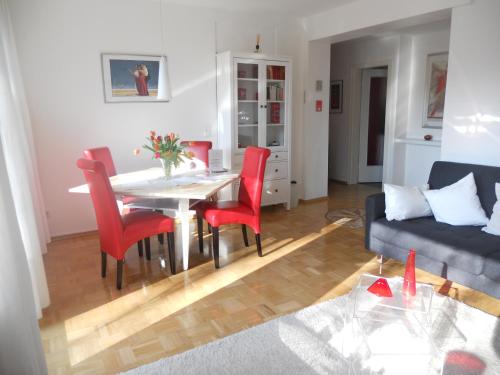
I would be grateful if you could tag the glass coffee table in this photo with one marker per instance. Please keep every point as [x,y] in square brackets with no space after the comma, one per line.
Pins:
[390,335]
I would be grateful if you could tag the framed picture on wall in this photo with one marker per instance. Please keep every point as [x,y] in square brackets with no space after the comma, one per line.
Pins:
[435,90]
[131,78]
[336,97]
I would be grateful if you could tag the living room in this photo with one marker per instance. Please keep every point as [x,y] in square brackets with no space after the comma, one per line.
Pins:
[234,74]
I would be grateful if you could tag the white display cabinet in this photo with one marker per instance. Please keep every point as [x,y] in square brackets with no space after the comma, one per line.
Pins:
[254,109]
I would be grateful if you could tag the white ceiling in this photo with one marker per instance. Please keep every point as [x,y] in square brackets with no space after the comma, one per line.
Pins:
[299,8]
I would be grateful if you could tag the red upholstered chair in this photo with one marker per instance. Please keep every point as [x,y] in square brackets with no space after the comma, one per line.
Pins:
[103,154]
[199,149]
[244,211]
[117,233]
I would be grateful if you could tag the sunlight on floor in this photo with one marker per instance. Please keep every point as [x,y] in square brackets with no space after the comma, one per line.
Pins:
[100,328]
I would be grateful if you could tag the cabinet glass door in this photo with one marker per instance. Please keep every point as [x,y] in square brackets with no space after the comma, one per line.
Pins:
[247,96]
[276,105]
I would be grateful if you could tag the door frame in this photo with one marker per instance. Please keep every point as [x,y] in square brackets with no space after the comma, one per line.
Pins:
[354,120]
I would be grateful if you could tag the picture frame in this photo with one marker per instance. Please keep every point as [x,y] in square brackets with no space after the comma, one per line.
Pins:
[131,78]
[435,90]
[336,96]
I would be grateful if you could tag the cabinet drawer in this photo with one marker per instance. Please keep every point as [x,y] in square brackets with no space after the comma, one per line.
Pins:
[275,191]
[276,170]
[278,156]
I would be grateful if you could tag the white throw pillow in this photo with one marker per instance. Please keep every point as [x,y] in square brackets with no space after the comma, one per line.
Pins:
[457,204]
[402,203]
[493,226]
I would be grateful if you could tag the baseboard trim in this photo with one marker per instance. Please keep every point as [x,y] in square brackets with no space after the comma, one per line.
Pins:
[338,181]
[314,200]
[74,235]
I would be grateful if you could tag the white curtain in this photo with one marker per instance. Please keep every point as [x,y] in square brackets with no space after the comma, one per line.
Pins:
[19,154]
[20,345]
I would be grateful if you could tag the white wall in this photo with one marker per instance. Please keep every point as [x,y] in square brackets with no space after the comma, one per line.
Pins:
[345,57]
[360,15]
[471,131]
[315,135]
[59,44]
[419,158]
[359,19]
[411,163]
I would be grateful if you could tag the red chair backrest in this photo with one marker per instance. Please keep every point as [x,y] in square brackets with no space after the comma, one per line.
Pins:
[109,222]
[103,155]
[252,176]
[199,149]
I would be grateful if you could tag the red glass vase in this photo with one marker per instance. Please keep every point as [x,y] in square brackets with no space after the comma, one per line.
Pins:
[409,283]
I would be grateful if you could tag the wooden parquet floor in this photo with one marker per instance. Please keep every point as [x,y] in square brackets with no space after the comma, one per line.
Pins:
[92,328]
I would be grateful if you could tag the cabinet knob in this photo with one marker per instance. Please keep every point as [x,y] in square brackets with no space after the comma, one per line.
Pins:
[275,190]
[276,170]
[276,156]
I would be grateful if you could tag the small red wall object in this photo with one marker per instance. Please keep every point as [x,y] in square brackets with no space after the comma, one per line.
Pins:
[319,105]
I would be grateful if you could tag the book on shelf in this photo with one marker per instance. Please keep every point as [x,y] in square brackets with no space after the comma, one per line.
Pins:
[275,72]
[275,92]
[275,113]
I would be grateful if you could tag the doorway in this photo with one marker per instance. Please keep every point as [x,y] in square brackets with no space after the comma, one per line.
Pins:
[372,124]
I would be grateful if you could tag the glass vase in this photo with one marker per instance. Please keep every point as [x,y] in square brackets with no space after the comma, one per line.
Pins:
[167,167]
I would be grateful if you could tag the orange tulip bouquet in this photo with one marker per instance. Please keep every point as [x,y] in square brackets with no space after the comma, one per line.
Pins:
[168,150]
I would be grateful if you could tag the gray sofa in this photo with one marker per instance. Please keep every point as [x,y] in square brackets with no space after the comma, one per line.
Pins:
[463,254]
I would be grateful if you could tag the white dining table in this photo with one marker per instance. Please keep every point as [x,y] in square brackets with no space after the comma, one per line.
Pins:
[177,193]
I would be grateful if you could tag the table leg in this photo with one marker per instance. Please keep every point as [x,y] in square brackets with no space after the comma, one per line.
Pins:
[185,215]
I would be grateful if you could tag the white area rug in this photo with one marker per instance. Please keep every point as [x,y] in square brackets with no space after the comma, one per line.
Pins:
[311,340]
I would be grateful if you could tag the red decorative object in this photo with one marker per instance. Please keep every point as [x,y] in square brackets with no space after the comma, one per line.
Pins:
[461,362]
[409,283]
[380,288]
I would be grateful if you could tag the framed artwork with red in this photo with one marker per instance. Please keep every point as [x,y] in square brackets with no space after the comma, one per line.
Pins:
[435,90]
[336,98]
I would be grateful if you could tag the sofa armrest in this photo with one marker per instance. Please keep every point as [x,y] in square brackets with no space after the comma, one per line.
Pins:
[374,209]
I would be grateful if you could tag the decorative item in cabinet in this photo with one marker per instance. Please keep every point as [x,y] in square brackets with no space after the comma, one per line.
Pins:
[242,93]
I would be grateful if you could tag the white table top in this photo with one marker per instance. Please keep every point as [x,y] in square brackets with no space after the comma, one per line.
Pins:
[151,183]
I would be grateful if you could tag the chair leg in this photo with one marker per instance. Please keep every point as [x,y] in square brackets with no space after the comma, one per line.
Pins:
[104,258]
[171,251]
[215,239]
[139,248]
[245,236]
[161,239]
[199,221]
[209,228]
[148,248]
[119,273]
[259,245]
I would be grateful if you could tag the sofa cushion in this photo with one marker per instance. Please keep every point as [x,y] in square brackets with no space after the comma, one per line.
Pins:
[444,173]
[462,247]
